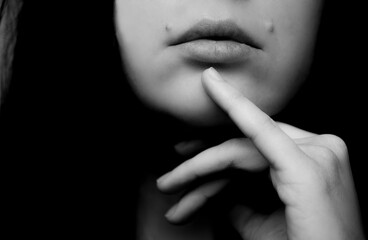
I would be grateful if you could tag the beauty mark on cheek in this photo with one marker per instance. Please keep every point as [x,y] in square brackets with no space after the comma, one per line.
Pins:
[270,26]
[168,28]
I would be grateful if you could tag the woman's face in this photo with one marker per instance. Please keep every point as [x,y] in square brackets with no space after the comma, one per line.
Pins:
[262,47]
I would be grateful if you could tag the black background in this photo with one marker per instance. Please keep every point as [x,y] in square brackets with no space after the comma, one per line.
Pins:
[55,120]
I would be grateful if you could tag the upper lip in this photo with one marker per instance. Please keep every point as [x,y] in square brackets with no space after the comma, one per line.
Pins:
[218,31]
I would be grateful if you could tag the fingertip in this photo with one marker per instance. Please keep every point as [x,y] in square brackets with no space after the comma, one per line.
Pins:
[211,74]
[161,182]
[208,70]
[170,215]
[166,185]
[175,215]
[209,79]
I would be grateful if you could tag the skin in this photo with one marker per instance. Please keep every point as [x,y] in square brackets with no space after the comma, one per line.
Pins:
[166,82]
[310,172]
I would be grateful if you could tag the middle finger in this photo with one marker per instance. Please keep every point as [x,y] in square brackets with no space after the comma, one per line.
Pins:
[235,153]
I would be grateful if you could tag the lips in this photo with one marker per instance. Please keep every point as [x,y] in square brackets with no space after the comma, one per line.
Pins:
[216,42]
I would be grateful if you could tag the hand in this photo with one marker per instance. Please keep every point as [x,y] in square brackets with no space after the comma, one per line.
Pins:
[310,172]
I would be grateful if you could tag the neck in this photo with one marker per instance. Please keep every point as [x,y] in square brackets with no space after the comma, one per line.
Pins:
[152,224]
[152,204]
[174,130]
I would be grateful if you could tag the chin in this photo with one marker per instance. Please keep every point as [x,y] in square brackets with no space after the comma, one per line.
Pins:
[209,116]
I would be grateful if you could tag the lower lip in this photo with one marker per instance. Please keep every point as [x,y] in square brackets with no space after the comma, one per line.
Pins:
[211,51]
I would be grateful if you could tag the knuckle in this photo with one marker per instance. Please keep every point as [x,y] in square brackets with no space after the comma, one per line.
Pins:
[267,121]
[326,155]
[231,146]
[222,162]
[321,180]
[331,181]
[313,173]
[263,123]
[337,145]
[328,160]
[330,170]
[334,140]
[324,172]
[187,171]
[324,159]
[235,144]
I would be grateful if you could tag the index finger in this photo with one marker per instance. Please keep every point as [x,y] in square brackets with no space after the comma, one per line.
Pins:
[277,147]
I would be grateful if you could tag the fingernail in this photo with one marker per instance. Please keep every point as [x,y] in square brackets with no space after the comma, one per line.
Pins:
[171,213]
[214,74]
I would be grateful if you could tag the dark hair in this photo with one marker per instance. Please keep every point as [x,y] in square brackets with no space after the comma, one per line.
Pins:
[9,11]
[2,7]
[72,116]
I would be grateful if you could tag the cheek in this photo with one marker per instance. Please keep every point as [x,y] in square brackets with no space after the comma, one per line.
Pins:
[290,46]
[138,29]
[164,82]
[294,31]
[140,26]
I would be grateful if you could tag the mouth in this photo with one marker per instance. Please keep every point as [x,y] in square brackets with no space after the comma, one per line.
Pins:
[216,42]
